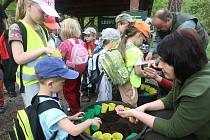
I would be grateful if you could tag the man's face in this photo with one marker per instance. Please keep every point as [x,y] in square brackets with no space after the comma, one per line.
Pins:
[161,25]
[90,38]
[122,25]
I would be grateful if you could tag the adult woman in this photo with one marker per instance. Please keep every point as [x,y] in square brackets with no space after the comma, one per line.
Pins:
[183,60]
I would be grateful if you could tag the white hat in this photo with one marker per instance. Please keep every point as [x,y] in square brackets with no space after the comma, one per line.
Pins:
[110,34]
[124,16]
[48,6]
[89,30]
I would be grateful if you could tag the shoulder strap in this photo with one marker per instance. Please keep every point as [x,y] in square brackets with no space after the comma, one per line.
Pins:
[45,32]
[23,30]
[48,105]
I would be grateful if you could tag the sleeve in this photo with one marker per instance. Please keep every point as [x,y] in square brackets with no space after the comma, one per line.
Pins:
[189,117]
[168,100]
[187,24]
[157,39]
[166,83]
[63,48]
[15,33]
[53,116]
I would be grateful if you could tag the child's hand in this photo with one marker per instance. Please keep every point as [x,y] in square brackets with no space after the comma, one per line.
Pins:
[77,116]
[96,121]
[125,113]
[48,50]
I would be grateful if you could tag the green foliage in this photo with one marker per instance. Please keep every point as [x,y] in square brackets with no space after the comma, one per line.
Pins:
[159,4]
[200,9]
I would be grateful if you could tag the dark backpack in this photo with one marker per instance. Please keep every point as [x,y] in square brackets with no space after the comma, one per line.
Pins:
[11,62]
[27,126]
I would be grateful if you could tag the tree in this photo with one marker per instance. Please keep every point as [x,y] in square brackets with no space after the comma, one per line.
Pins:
[175,5]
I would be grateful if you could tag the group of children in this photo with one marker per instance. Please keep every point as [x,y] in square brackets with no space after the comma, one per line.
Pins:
[43,74]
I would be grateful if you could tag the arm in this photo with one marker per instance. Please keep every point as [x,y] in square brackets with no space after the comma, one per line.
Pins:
[75,130]
[22,57]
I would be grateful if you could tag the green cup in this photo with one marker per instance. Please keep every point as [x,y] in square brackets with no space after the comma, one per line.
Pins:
[94,128]
[132,135]
[104,107]
[97,109]
[89,114]
[106,136]
[97,134]
[117,136]
[92,113]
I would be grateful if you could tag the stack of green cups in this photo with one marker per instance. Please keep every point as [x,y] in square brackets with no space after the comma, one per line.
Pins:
[132,135]
[97,109]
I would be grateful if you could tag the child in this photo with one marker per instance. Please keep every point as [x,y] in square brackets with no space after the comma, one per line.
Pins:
[86,87]
[52,72]
[31,13]
[132,37]
[70,34]
[52,27]
[110,38]
[1,91]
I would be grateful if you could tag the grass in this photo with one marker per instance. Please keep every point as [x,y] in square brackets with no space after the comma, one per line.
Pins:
[208,50]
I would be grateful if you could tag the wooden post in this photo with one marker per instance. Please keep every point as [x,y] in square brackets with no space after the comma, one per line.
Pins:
[134,5]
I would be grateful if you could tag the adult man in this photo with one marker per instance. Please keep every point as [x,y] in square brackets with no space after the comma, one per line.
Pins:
[166,22]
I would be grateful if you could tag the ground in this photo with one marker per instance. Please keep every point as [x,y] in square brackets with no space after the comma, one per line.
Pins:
[11,106]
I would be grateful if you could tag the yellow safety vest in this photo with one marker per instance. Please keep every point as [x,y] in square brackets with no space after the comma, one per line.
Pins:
[34,42]
[132,54]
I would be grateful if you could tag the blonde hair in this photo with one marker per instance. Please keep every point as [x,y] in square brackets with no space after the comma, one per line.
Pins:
[21,9]
[70,28]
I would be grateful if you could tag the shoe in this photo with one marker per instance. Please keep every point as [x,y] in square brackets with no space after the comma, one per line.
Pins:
[12,94]
[2,109]
[85,99]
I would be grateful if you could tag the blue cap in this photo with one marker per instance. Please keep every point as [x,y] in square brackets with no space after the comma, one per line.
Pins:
[49,67]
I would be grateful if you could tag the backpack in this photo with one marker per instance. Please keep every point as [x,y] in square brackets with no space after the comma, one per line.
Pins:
[95,74]
[27,126]
[79,56]
[115,67]
[8,52]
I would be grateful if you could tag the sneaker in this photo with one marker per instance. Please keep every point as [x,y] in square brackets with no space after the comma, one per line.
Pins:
[2,109]
[12,94]
[85,99]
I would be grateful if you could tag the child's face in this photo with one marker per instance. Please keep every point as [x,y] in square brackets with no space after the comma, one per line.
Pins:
[36,14]
[139,37]
[90,38]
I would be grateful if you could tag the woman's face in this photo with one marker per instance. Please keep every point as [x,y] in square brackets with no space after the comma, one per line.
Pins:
[167,70]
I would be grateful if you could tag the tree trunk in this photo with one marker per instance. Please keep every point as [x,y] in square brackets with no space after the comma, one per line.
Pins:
[175,5]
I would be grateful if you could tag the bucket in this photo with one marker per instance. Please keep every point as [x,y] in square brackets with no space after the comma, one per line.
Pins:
[86,136]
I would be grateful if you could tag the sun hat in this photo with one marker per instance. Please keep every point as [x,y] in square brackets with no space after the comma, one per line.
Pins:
[124,16]
[51,23]
[50,67]
[143,27]
[48,6]
[110,34]
[89,30]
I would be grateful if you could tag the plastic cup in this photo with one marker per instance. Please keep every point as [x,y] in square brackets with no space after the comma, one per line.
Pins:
[104,107]
[132,135]
[131,119]
[97,134]
[117,136]
[106,136]
[87,131]
[92,113]
[97,109]
[94,128]
[119,106]
[89,114]
[127,108]
[112,106]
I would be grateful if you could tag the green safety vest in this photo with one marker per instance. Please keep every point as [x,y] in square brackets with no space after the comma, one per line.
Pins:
[34,42]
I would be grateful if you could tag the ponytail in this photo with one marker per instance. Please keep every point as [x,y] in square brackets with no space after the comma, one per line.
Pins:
[129,32]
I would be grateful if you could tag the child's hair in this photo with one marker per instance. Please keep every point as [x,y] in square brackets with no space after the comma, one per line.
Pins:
[21,9]
[70,28]
[130,31]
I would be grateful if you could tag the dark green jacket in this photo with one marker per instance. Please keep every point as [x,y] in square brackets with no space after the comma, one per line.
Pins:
[180,18]
[191,103]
